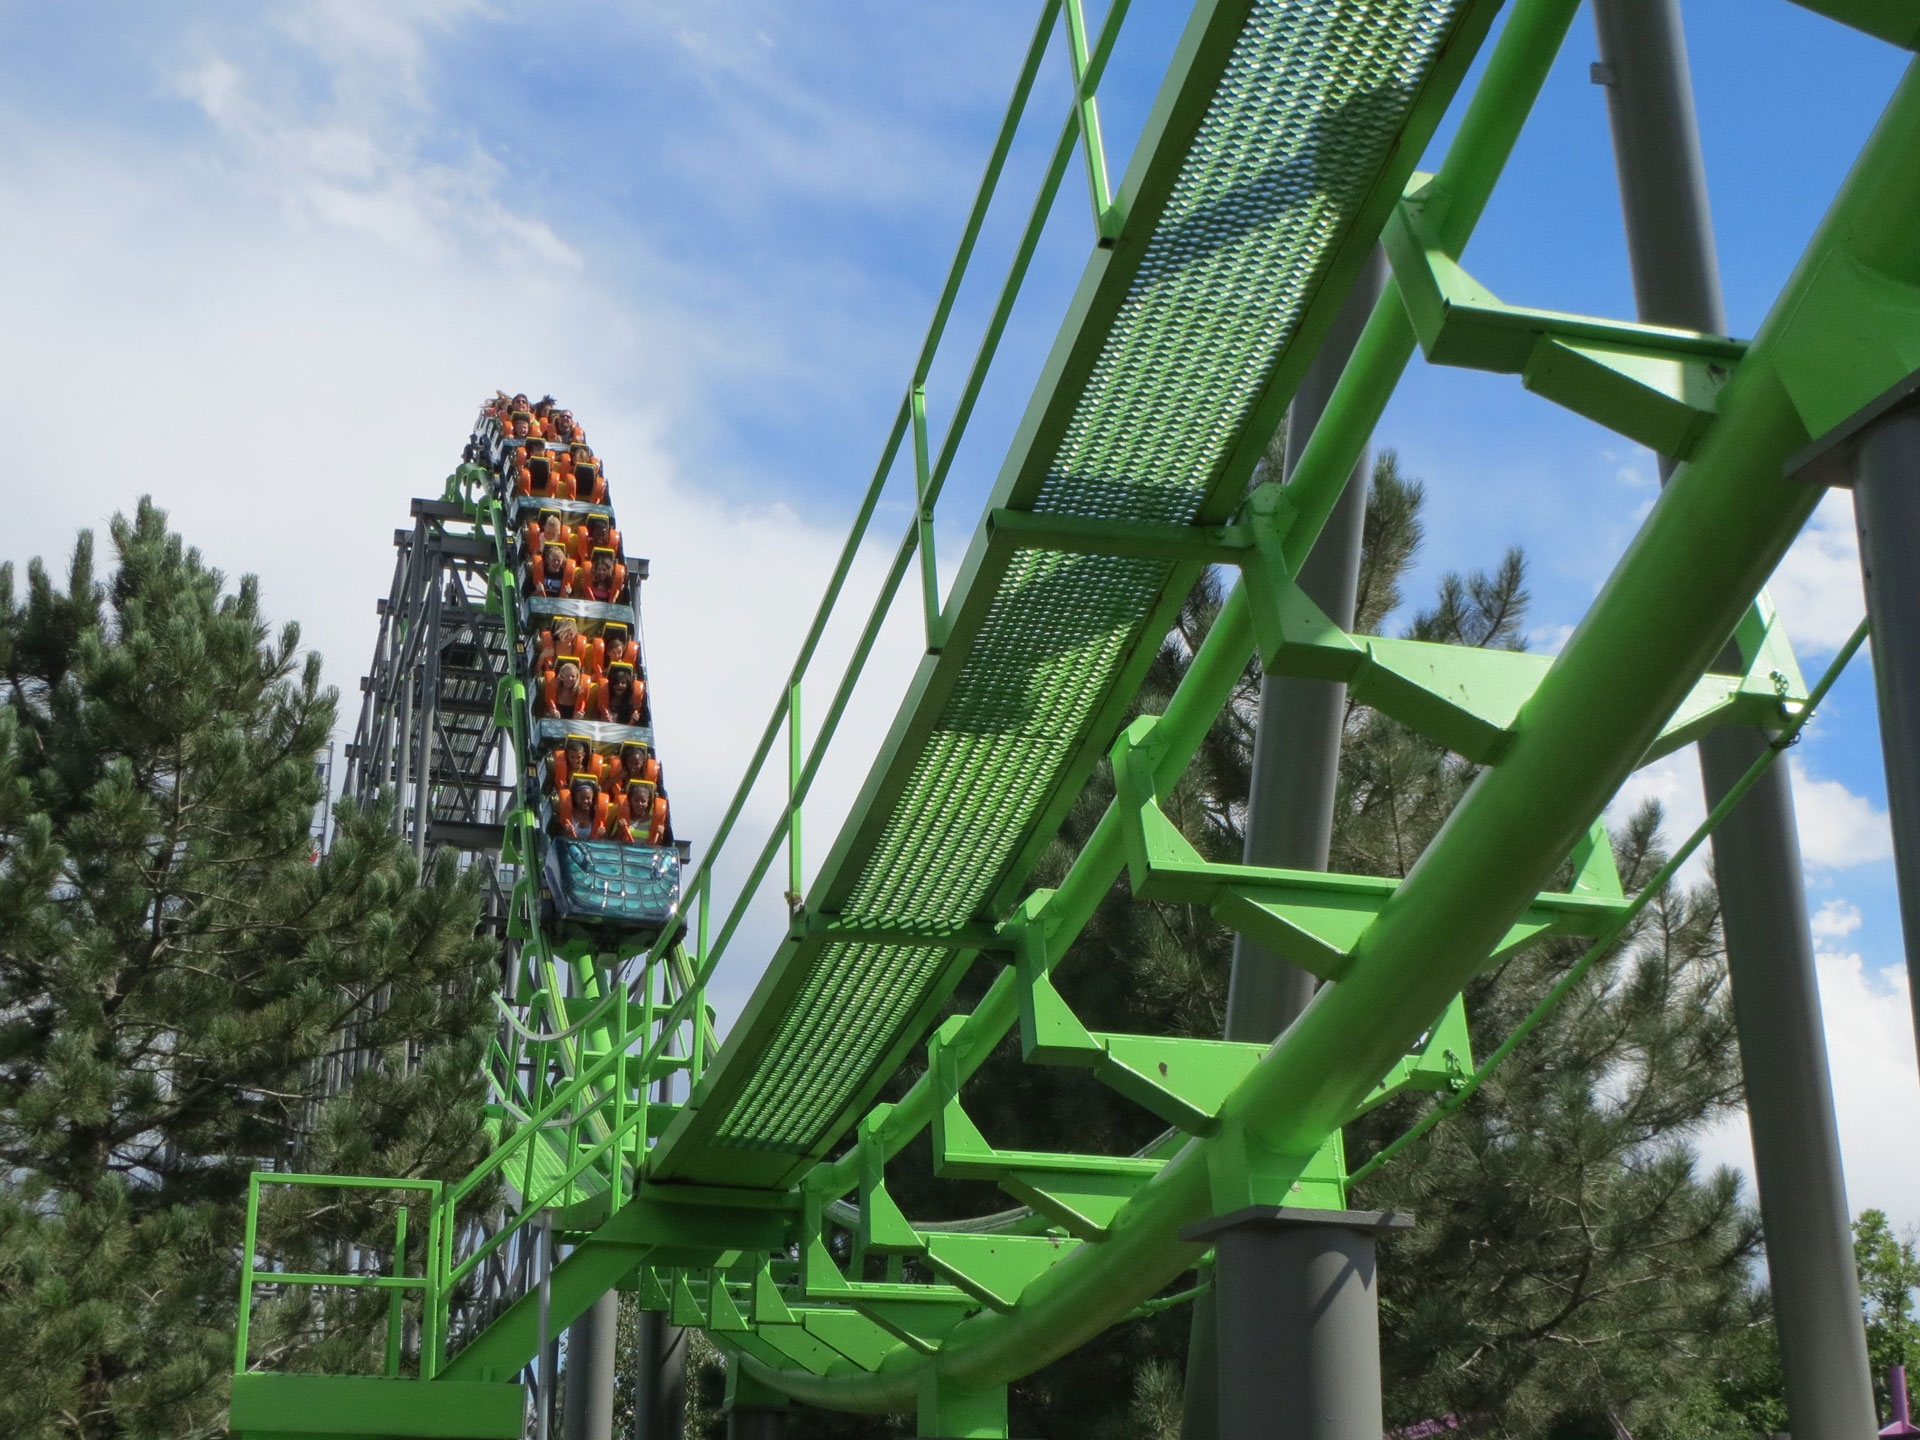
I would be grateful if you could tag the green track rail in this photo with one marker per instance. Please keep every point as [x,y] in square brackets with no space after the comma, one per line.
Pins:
[1281,148]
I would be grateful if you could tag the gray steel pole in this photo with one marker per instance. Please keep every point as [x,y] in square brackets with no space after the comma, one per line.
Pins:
[1296,745]
[592,1344]
[1756,851]
[1296,764]
[1299,1322]
[1886,509]
[751,1422]
[428,705]
[660,1379]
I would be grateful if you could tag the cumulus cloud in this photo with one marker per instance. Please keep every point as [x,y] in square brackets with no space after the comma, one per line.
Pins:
[1835,920]
[1838,829]
[1876,1088]
[1817,585]
[1673,781]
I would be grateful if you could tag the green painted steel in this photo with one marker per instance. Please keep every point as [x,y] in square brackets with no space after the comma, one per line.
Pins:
[1280,149]
[1267,167]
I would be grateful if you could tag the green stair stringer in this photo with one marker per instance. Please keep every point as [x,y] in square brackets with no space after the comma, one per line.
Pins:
[694,1229]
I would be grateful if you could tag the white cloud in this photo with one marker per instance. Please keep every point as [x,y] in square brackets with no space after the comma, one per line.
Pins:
[1876,1089]
[1835,920]
[367,157]
[1817,585]
[282,377]
[1838,829]
[1674,782]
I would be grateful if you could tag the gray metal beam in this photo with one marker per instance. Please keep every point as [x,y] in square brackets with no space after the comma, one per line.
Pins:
[1299,1318]
[1756,851]
[1296,764]
[1886,509]
[592,1355]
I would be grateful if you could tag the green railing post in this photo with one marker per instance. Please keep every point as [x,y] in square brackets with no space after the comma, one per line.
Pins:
[246,1275]
[435,1302]
[793,796]
[617,1166]
[397,1300]
[1086,112]
[923,497]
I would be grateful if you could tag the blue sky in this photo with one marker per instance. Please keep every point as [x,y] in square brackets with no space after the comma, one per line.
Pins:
[263,259]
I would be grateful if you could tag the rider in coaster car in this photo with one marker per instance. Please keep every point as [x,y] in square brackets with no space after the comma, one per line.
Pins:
[635,762]
[633,820]
[551,571]
[565,692]
[562,640]
[564,430]
[522,425]
[623,698]
[576,757]
[615,648]
[581,812]
[541,476]
[604,579]
[545,531]
[597,534]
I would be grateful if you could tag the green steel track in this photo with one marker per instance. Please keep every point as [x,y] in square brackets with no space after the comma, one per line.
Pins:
[1280,150]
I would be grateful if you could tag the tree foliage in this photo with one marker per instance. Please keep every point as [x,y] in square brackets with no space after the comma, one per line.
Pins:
[1889,1274]
[175,962]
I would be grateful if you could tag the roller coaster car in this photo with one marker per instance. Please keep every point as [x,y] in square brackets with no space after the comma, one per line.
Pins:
[637,886]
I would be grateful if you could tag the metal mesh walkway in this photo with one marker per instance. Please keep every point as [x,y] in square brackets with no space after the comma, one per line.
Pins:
[1301,120]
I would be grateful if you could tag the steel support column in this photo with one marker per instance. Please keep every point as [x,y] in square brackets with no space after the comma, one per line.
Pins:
[1876,453]
[1299,1321]
[1296,745]
[592,1352]
[1756,851]
[1296,763]
[660,1379]
[1886,509]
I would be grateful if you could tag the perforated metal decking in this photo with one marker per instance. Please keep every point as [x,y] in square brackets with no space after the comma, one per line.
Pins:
[1283,134]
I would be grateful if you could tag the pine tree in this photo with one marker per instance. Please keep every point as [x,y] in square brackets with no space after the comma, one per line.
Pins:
[1889,1274]
[174,960]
